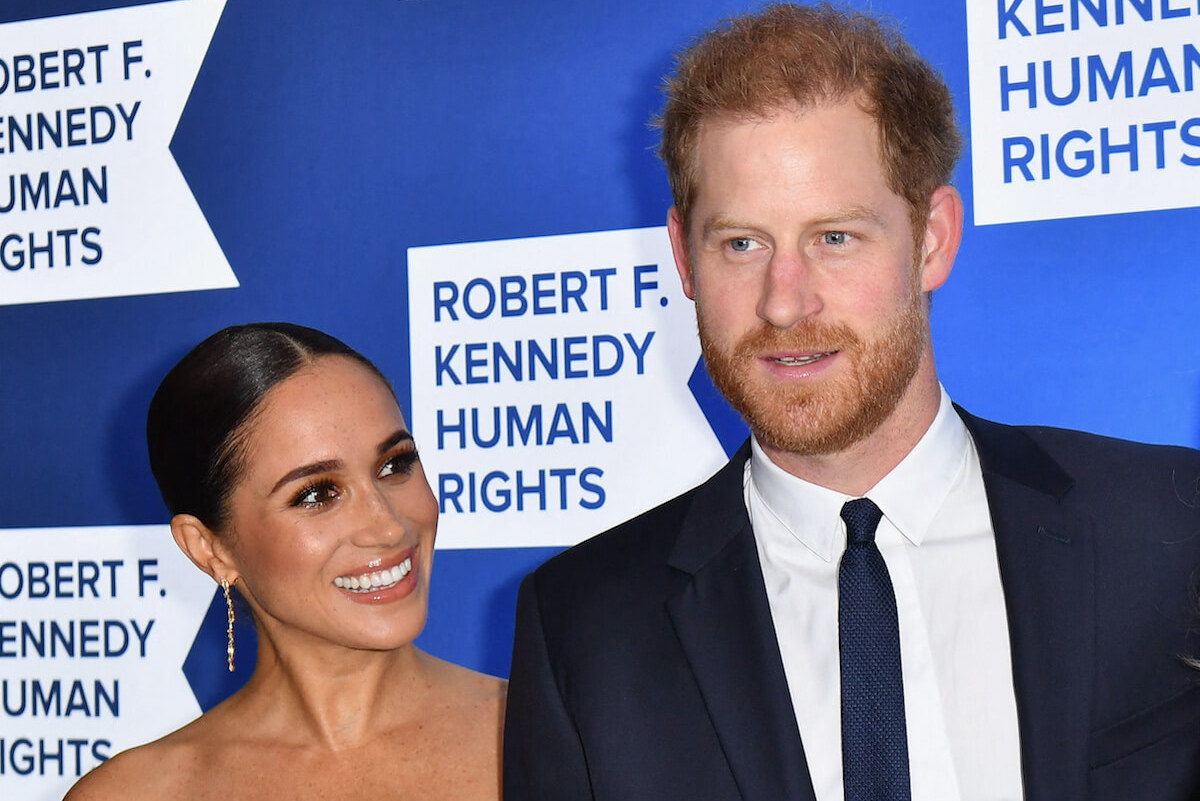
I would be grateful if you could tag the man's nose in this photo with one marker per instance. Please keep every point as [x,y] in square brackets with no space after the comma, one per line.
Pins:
[790,290]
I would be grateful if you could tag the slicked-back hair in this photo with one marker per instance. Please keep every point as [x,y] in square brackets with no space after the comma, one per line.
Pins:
[198,417]
[789,56]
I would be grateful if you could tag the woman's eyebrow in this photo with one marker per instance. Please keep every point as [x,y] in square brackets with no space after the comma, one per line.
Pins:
[393,441]
[307,470]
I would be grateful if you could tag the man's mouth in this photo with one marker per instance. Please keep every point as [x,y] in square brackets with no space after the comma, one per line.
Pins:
[376,579]
[800,361]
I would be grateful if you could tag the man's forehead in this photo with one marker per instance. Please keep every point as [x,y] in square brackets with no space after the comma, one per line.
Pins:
[769,112]
[727,140]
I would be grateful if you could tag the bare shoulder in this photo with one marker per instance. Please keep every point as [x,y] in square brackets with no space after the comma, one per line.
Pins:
[457,738]
[161,769]
[469,705]
[134,774]
[109,779]
[466,688]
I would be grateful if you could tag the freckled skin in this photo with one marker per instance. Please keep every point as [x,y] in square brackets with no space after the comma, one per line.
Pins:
[341,703]
[442,740]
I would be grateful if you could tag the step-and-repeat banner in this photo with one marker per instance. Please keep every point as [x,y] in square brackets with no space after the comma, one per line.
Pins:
[467,192]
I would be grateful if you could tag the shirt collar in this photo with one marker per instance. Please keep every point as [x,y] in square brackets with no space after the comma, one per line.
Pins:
[909,496]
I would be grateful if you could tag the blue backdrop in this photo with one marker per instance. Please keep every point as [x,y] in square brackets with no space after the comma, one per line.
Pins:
[322,140]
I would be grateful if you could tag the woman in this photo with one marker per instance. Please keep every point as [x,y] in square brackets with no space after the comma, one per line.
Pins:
[290,474]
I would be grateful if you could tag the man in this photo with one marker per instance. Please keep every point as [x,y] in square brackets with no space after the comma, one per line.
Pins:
[880,596]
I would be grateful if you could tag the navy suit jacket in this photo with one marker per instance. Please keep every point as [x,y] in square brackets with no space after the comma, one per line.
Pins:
[645,664]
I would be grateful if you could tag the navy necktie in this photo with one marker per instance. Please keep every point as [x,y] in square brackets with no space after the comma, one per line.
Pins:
[874,737]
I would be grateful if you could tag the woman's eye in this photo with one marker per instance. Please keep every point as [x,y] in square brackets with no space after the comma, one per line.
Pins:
[400,464]
[835,237]
[316,495]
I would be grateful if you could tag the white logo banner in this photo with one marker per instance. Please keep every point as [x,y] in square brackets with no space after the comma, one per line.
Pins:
[95,625]
[549,385]
[92,204]
[1083,108]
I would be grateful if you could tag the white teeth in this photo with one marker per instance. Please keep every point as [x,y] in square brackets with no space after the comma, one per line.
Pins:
[377,580]
[795,361]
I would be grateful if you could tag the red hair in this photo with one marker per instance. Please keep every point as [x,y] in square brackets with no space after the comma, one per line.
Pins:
[789,55]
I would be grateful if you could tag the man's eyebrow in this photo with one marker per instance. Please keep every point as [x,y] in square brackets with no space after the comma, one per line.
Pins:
[717,224]
[852,213]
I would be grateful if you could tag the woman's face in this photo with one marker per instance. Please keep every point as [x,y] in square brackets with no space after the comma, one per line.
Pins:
[332,521]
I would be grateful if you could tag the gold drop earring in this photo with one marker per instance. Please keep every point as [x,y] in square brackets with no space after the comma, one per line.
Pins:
[229,627]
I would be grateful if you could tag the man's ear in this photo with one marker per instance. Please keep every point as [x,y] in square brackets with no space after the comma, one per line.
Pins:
[679,248]
[943,233]
[204,547]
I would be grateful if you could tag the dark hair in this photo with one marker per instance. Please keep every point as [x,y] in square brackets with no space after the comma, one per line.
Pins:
[199,414]
[760,63]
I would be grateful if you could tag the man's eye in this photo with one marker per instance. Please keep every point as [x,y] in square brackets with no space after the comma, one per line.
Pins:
[835,237]
[741,244]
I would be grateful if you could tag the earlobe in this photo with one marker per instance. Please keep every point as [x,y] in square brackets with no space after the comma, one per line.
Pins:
[679,248]
[943,233]
[203,546]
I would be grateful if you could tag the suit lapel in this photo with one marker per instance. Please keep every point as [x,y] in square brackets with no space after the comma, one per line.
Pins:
[1046,556]
[1045,551]
[723,622]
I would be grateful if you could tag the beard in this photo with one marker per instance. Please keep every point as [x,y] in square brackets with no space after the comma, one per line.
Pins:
[829,414]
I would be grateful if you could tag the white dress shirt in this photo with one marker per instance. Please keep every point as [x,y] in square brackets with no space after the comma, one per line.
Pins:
[937,540]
